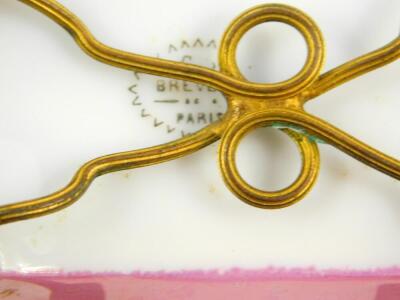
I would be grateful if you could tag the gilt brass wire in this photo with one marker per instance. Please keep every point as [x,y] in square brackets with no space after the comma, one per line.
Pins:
[250,105]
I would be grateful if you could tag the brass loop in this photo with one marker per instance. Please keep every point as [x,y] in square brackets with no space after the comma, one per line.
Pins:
[256,197]
[278,13]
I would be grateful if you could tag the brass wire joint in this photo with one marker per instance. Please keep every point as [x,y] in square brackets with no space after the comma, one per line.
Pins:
[250,105]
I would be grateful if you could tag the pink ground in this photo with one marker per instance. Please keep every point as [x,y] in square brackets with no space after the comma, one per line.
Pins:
[271,283]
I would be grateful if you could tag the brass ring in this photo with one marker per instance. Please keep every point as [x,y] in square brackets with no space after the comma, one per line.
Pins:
[256,197]
[278,13]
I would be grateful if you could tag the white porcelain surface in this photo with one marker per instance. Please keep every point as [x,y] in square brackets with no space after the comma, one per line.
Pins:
[60,108]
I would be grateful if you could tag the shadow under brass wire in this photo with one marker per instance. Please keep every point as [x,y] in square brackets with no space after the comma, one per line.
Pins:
[249,105]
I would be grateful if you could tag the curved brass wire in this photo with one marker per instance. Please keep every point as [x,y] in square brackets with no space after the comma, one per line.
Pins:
[250,105]
[103,165]
[256,197]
